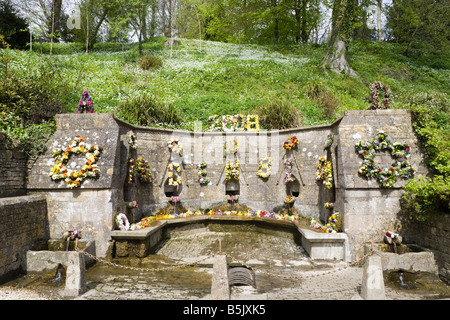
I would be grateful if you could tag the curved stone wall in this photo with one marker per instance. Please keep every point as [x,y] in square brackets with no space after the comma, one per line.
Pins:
[93,206]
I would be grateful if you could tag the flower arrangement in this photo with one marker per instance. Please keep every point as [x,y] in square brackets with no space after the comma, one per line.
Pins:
[331,227]
[132,204]
[289,176]
[85,104]
[202,179]
[232,170]
[174,199]
[122,222]
[329,141]
[386,177]
[252,123]
[74,233]
[143,171]
[74,179]
[375,89]
[234,122]
[131,171]
[132,141]
[233,150]
[174,145]
[233,198]
[172,168]
[289,199]
[325,172]
[328,205]
[265,164]
[291,143]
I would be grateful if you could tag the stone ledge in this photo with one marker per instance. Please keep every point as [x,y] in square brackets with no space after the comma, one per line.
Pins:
[326,246]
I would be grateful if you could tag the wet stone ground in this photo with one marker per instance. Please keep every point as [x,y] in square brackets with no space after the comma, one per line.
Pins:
[278,262]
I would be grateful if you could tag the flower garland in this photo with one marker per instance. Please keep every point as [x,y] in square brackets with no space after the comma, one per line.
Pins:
[233,150]
[202,179]
[264,164]
[289,176]
[329,141]
[122,222]
[331,227]
[252,123]
[171,166]
[375,89]
[232,170]
[292,144]
[234,122]
[143,171]
[74,179]
[171,145]
[325,172]
[132,141]
[399,151]
[131,171]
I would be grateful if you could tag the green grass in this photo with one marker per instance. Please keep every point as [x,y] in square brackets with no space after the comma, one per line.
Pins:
[227,78]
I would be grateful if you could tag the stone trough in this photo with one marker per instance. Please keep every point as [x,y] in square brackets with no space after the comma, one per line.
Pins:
[319,246]
[57,258]
[409,257]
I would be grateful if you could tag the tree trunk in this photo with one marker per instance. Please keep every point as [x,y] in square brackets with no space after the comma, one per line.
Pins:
[379,2]
[336,57]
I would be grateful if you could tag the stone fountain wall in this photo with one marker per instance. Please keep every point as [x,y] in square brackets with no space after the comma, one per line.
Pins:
[93,207]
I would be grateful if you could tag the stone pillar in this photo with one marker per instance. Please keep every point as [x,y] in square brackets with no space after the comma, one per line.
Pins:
[75,275]
[372,287]
[220,288]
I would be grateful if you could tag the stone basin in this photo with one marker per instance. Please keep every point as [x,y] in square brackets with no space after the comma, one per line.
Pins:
[409,257]
[49,260]
[319,246]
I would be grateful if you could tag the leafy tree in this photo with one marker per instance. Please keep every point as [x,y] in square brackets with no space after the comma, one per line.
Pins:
[420,20]
[12,27]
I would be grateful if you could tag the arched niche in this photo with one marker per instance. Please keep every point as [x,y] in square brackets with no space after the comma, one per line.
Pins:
[170,190]
[293,188]
[232,187]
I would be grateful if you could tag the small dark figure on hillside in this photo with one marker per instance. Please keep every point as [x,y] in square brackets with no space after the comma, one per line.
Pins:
[85,105]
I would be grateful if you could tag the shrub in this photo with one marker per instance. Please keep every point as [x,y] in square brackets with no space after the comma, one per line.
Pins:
[144,110]
[426,195]
[28,98]
[326,100]
[431,117]
[147,62]
[278,114]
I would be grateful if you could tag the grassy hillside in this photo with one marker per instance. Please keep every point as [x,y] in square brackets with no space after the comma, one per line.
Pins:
[228,79]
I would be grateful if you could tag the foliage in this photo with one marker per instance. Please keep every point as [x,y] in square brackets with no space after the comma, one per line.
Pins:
[279,114]
[144,110]
[28,98]
[148,62]
[431,118]
[420,20]
[12,27]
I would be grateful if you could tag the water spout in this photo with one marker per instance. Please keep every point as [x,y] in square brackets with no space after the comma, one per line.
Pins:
[394,245]
[58,275]
[67,243]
